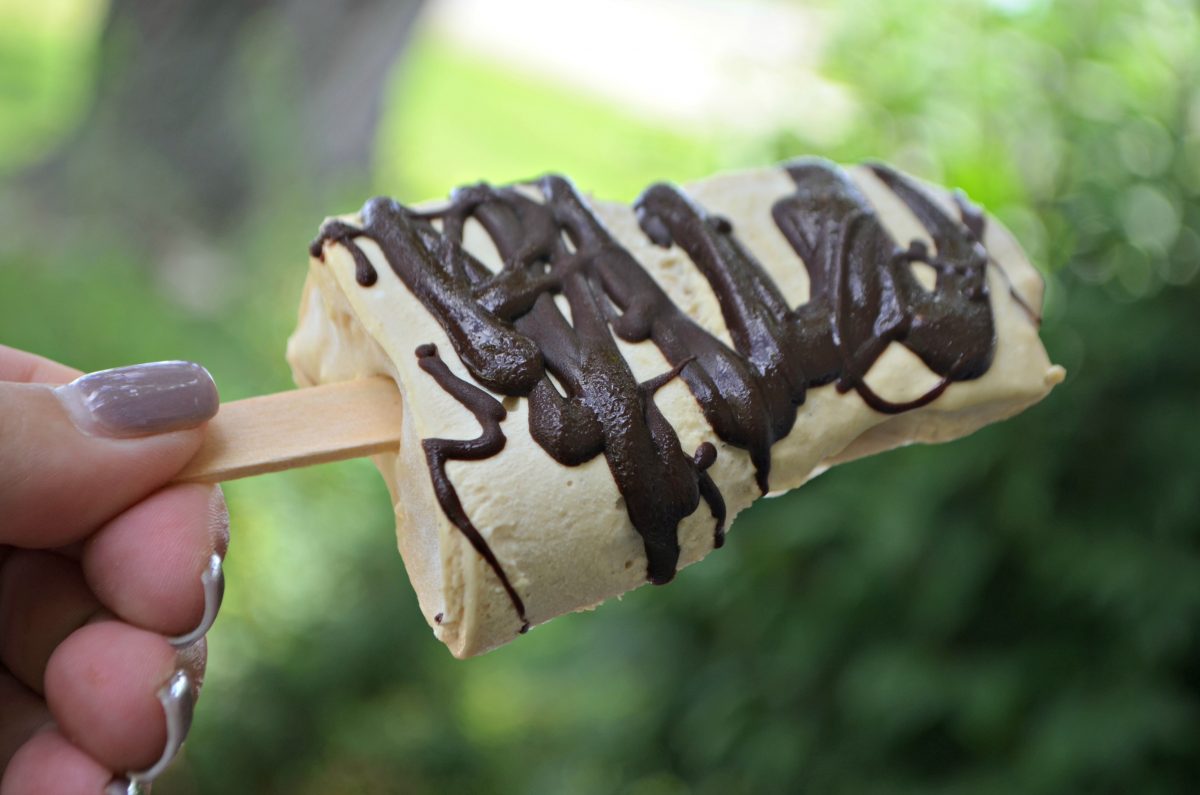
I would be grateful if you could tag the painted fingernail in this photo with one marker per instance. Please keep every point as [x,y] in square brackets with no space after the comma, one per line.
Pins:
[123,786]
[213,580]
[178,699]
[141,400]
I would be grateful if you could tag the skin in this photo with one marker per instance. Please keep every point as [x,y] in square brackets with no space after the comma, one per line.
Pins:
[100,562]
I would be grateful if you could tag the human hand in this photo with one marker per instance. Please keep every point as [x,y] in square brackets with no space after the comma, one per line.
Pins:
[109,577]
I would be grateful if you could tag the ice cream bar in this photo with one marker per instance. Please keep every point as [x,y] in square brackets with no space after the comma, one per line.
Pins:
[592,391]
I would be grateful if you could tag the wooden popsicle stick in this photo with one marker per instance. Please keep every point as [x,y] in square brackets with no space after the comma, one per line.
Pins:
[298,428]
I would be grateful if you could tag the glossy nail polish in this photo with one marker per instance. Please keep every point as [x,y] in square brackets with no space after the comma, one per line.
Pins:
[141,400]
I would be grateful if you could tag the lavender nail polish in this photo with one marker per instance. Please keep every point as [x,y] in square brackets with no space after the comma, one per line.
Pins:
[123,786]
[213,580]
[178,699]
[141,400]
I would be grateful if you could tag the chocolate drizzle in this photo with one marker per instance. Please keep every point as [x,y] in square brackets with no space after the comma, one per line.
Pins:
[584,400]
[490,413]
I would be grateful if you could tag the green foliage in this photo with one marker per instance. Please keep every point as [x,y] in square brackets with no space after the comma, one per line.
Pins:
[1015,612]
[44,48]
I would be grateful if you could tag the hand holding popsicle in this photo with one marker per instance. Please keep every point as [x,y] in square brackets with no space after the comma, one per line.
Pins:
[567,398]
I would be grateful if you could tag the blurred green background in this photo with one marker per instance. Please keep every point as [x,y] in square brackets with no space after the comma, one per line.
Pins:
[1018,611]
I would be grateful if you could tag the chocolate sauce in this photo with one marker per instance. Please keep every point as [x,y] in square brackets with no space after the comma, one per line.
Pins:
[490,413]
[583,398]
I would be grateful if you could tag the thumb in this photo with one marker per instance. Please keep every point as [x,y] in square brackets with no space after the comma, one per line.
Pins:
[77,455]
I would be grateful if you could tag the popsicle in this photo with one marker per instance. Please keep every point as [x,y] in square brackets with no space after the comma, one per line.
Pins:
[569,397]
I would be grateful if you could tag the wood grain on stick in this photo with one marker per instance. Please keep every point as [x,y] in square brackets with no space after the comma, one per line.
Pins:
[298,428]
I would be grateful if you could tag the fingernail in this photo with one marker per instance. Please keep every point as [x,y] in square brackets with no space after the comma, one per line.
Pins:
[178,699]
[213,580]
[123,786]
[141,400]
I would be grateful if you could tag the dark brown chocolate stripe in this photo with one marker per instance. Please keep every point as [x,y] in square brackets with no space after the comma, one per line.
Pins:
[490,413]
[975,221]
[338,232]
[583,398]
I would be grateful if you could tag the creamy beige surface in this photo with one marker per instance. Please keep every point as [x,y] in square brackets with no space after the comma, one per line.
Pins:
[562,533]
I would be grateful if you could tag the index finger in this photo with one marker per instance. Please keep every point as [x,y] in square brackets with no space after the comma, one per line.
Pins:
[29,368]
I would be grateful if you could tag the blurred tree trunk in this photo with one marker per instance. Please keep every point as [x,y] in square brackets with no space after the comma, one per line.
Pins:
[205,108]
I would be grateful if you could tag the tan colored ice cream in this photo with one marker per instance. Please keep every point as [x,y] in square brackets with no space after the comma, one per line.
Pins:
[562,534]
